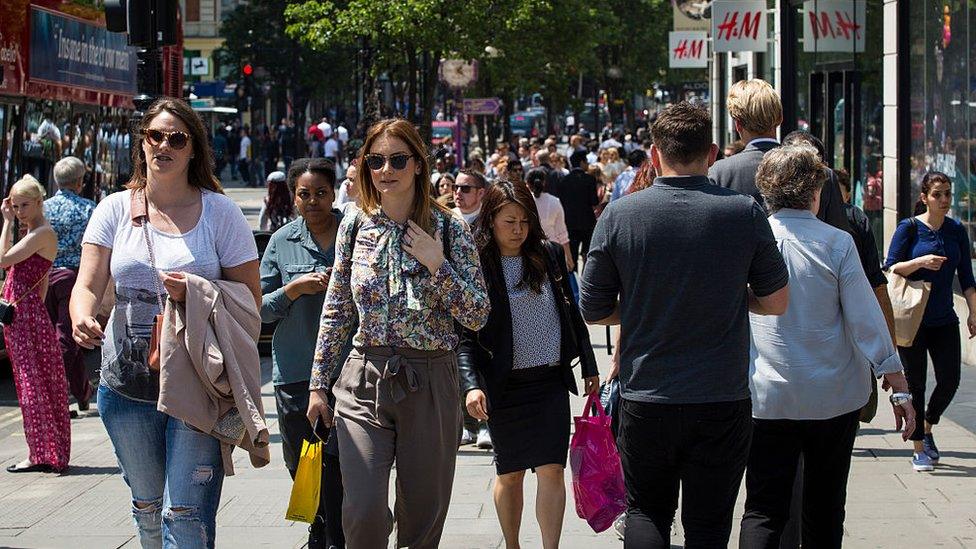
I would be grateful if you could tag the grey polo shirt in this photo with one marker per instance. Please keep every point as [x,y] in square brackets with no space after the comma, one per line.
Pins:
[682,255]
[814,361]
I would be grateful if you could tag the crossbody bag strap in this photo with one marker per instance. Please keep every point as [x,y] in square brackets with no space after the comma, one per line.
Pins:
[152,260]
[29,290]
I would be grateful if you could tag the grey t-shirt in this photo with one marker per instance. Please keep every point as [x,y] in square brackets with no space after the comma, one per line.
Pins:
[221,239]
[682,255]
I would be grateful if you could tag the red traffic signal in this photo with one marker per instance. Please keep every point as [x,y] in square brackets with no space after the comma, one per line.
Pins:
[247,69]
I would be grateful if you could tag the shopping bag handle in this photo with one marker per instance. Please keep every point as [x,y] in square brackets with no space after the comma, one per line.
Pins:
[594,401]
[315,430]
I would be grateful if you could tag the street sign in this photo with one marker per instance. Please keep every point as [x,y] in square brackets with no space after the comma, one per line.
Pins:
[687,49]
[200,66]
[482,105]
[739,25]
[829,25]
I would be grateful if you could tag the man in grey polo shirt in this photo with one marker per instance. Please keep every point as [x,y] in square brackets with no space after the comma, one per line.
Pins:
[689,260]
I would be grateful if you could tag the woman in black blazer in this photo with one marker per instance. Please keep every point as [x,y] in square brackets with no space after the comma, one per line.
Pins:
[517,371]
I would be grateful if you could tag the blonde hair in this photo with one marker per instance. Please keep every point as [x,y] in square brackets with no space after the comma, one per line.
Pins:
[28,187]
[755,105]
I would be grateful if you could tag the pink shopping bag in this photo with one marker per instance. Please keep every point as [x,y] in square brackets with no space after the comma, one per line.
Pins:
[598,479]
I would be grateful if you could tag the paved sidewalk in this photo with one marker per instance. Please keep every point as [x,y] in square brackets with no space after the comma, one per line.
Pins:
[888,504]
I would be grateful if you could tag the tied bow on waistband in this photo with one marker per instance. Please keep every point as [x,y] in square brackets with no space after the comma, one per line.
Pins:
[409,381]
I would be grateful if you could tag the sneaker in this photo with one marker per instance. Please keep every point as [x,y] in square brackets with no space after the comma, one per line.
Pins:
[930,449]
[619,525]
[468,437]
[922,462]
[484,438]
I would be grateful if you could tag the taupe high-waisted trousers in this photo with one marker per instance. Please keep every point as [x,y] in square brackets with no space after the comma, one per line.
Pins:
[397,404]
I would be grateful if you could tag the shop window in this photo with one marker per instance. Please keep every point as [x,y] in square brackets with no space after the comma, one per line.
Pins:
[192,11]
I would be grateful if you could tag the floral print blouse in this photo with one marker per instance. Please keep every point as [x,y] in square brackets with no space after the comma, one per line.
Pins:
[398,301]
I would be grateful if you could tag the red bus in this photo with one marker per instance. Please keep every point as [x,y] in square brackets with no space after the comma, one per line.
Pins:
[66,88]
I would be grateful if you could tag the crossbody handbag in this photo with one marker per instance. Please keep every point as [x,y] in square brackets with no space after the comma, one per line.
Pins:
[157,327]
[908,301]
[8,310]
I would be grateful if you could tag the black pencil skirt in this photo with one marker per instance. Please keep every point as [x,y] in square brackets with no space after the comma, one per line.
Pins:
[530,420]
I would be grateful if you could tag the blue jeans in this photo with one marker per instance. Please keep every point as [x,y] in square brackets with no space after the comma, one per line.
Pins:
[174,472]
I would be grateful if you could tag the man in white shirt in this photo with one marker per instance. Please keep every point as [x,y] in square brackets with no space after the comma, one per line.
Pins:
[244,157]
[331,149]
[325,127]
[469,190]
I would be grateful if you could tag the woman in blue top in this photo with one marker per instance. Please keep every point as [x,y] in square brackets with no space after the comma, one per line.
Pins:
[934,248]
[295,272]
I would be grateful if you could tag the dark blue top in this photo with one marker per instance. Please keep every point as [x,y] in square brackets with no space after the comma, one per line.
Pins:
[950,241]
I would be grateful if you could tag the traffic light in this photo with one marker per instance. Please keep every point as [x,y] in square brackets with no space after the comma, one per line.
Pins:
[247,79]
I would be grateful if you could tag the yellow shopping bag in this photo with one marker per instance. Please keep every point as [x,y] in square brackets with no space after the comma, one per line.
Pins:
[304,502]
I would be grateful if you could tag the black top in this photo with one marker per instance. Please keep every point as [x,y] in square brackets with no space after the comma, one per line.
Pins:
[485,357]
[867,247]
[681,254]
[577,193]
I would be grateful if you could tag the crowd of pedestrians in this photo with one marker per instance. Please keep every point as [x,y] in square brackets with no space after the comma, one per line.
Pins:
[420,307]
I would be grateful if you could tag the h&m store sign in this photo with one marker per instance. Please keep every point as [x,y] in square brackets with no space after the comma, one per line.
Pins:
[828,25]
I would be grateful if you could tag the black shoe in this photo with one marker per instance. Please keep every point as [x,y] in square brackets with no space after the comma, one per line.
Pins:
[83,406]
[32,468]
[73,414]
[316,534]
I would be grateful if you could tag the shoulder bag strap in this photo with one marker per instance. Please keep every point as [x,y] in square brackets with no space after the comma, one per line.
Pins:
[152,259]
[29,290]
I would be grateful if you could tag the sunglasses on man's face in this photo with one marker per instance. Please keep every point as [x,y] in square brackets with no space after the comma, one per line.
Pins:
[397,161]
[465,189]
[176,140]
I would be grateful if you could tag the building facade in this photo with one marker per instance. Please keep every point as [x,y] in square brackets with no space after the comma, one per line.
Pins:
[890,88]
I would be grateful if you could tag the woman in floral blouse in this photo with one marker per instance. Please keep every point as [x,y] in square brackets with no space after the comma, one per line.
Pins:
[409,270]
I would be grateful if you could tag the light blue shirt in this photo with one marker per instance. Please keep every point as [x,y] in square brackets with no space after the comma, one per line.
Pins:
[814,361]
[623,182]
[290,254]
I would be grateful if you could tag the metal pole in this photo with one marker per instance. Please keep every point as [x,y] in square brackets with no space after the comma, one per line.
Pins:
[459,116]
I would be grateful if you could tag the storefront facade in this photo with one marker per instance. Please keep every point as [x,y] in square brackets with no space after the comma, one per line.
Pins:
[892,95]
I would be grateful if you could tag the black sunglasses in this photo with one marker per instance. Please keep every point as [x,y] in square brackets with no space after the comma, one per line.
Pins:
[177,140]
[398,161]
[465,189]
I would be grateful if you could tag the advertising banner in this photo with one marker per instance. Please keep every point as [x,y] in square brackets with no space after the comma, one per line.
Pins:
[833,26]
[739,25]
[688,50]
[72,52]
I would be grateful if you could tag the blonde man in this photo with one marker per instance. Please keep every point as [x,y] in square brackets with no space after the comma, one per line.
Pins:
[756,109]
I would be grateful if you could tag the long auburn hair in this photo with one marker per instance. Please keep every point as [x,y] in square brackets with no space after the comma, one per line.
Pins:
[200,172]
[534,266]
[424,205]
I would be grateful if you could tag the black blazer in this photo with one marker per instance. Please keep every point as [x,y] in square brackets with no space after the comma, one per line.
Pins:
[485,357]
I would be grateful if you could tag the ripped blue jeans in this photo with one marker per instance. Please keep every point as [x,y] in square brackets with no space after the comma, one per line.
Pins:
[174,472]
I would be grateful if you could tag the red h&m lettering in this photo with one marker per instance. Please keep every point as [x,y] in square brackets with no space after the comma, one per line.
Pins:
[681,51]
[847,25]
[821,27]
[696,49]
[730,27]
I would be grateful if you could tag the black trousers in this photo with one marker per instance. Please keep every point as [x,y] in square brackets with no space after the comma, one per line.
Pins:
[579,243]
[701,448]
[292,404]
[777,445]
[943,345]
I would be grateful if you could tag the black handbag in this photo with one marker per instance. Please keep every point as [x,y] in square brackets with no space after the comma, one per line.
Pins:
[8,310]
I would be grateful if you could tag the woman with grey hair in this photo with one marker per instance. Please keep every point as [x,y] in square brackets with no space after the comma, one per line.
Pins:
[807,371]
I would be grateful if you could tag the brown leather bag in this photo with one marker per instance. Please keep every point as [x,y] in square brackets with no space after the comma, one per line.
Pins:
[154,341]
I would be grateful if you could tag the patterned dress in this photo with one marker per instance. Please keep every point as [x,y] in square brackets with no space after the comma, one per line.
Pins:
[38,368]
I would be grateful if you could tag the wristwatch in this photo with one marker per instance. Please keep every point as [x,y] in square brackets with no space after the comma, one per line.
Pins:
[898,399]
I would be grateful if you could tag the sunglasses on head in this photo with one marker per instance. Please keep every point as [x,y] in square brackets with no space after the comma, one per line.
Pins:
[176,140]
[465,189]
[397,161]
